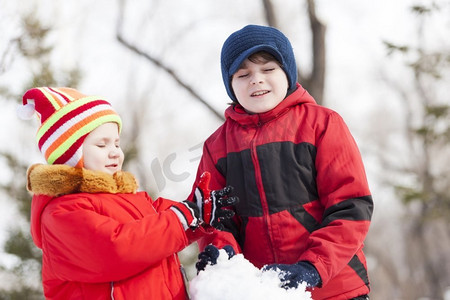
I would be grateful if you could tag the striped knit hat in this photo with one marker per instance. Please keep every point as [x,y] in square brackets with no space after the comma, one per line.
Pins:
[67,117]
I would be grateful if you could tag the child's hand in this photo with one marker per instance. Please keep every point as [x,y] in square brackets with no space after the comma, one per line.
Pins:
[292,275]
[212,203]
[209,256]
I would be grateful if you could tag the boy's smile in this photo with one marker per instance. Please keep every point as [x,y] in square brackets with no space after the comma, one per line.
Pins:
[259,87]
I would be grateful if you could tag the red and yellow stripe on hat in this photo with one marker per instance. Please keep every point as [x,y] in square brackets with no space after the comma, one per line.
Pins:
[67,117]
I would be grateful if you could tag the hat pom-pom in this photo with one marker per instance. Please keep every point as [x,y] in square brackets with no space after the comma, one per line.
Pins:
[26,112]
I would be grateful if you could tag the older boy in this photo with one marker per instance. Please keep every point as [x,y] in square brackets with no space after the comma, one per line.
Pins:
[305,205]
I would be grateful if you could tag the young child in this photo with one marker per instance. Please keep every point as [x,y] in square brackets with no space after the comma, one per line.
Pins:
[305,205]
[100,237]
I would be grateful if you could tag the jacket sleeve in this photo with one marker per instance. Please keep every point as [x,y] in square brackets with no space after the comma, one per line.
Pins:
[216,237]
[344,193]
[84,245]
[162,204]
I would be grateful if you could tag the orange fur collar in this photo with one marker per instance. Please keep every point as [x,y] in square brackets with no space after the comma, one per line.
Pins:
[57,180]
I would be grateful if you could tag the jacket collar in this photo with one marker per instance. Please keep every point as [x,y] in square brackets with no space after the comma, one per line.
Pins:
[238,113]
[57,180]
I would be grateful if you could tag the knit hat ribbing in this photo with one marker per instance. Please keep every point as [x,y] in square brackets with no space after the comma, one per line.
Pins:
[251,39]
[66,117]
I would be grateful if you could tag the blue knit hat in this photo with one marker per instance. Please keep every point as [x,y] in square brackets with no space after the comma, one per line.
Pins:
[251,39]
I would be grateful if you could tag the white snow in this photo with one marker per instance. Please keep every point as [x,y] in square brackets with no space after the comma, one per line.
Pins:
[237,278]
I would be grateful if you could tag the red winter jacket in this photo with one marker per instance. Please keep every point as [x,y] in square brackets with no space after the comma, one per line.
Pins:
[100,239]
[302,188]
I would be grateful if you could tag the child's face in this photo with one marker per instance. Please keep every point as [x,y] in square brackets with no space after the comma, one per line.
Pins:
[259,87]
[101,149]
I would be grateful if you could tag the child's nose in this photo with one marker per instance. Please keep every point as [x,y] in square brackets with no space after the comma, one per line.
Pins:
[257,78]
[114,152]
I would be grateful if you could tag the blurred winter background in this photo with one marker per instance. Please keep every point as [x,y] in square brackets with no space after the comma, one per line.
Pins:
[383,65]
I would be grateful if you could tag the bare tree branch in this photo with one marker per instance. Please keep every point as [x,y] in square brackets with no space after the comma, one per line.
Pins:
[158,63]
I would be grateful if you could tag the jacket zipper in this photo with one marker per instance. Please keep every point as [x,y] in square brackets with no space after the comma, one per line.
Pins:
[112,290]
[260,187]
[186,281]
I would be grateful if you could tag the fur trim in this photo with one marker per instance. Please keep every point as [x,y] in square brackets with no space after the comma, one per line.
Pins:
[57,180]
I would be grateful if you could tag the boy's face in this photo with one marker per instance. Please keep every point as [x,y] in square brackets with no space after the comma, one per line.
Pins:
[259,87]
[101,149]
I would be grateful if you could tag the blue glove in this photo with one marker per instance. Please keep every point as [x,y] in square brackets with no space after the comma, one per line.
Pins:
[292,275]
[209,256]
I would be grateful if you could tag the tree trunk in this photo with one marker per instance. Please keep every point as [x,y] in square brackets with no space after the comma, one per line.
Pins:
[314,82]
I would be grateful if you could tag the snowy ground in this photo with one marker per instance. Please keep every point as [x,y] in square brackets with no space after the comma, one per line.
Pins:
[237,278]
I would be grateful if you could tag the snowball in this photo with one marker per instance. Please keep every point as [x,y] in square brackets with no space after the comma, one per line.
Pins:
[237,278]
